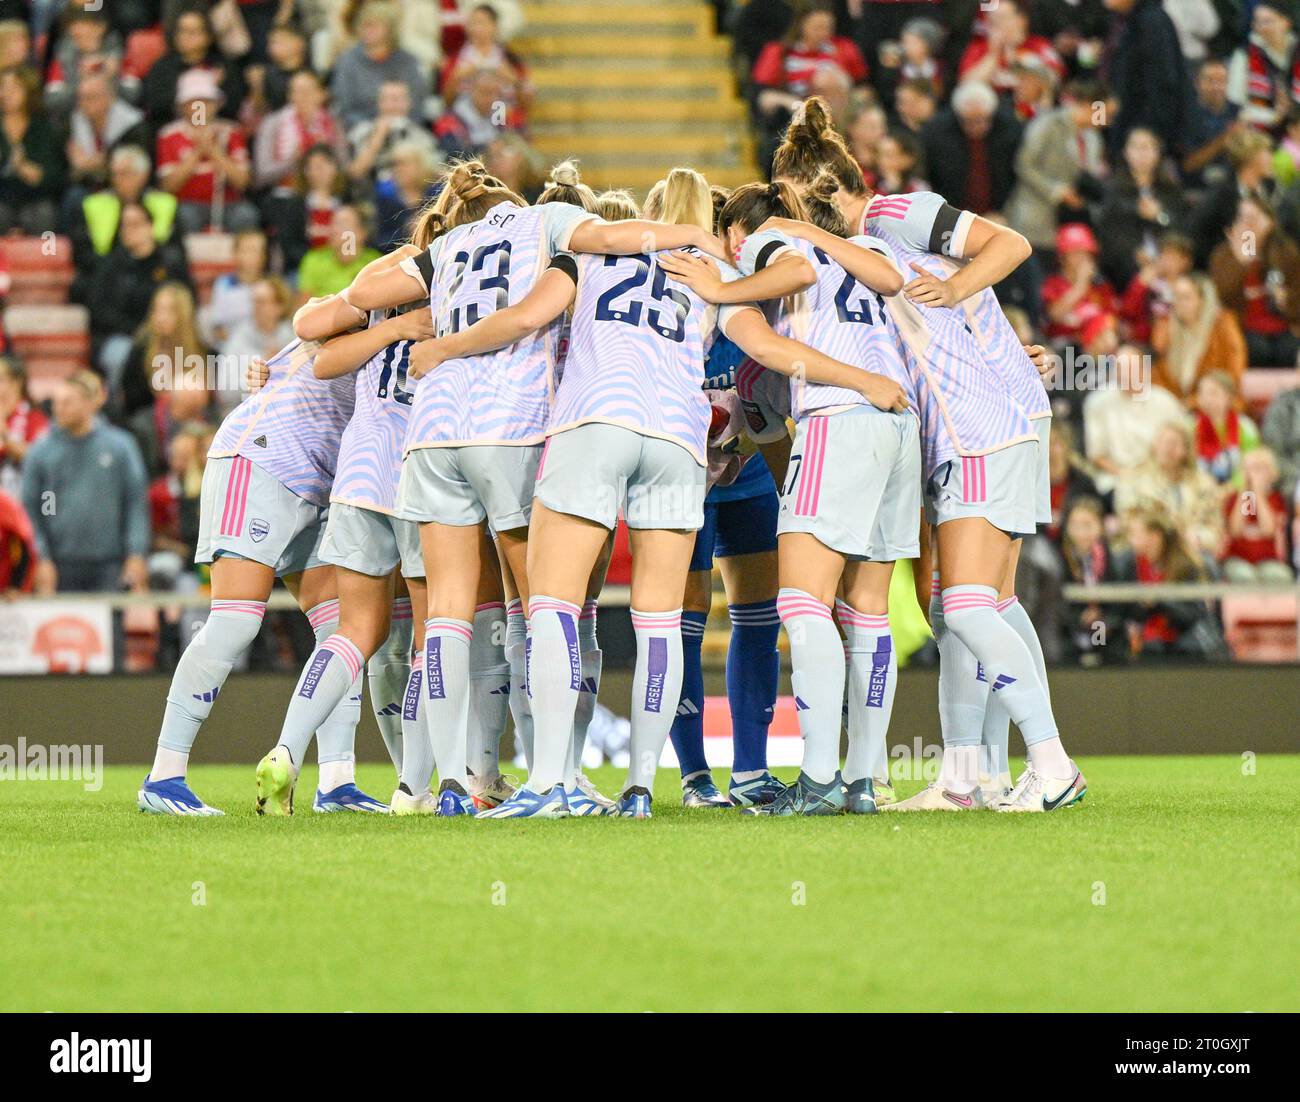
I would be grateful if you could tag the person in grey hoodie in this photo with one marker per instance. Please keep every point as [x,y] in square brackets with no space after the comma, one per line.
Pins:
[85,489]
[375,60]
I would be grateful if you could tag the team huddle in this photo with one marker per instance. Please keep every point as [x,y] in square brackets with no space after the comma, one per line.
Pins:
[801,379]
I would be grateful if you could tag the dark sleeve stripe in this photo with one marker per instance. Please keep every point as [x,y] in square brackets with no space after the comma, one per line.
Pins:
[944,229]
[424,265]
[765,254]
[563,262]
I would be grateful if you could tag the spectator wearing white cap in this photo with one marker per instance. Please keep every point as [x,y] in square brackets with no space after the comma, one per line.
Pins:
[203,159]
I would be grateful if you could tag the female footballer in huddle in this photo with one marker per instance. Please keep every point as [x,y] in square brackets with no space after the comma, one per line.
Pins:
[956,258]
[478,423]
[851,501]
[629,425]
[263,509]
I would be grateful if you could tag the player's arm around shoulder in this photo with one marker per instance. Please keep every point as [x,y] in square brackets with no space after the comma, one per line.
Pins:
[553,293]
[864,264]
[392,280]
[758,340]
[774,271]
[344,355]
[991,251]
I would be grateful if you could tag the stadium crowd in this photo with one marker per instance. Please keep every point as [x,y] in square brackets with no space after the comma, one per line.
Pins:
[1150,152]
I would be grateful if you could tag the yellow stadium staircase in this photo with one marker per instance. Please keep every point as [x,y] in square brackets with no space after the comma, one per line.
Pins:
[633,88]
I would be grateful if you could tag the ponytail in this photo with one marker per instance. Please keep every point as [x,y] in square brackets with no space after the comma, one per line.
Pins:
[467,194]
[812,144]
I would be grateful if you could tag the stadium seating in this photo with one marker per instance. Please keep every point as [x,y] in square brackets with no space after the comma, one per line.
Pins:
[53,340]
[210,255]
[632,87]
[40,268]
[1262,627]
[1259,386]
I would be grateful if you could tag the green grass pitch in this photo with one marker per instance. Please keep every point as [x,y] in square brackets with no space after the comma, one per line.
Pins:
[1173,887]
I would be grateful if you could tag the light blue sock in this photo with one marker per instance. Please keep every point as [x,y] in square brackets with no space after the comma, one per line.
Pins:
[387,673]
[970,612]
[200,675]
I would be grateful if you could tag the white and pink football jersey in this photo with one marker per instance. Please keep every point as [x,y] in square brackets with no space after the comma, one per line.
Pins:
[928,226]
[501,397]
[370,458]
[635,358]
[291,428]
[837,316]
[965,405]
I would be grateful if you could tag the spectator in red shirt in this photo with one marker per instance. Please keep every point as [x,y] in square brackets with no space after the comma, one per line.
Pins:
[174,494]
[203,160]
[1148,296]
[1223,433]
[17,547]
[1168,627]
[993,57]
[1076,293]
[1254,547]
[811,60]
[21,423]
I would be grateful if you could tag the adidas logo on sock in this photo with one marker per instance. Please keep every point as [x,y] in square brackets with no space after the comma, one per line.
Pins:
[799,705]
[1002,682]
[209,696]
[687,708]
[503,690]
[391,709]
